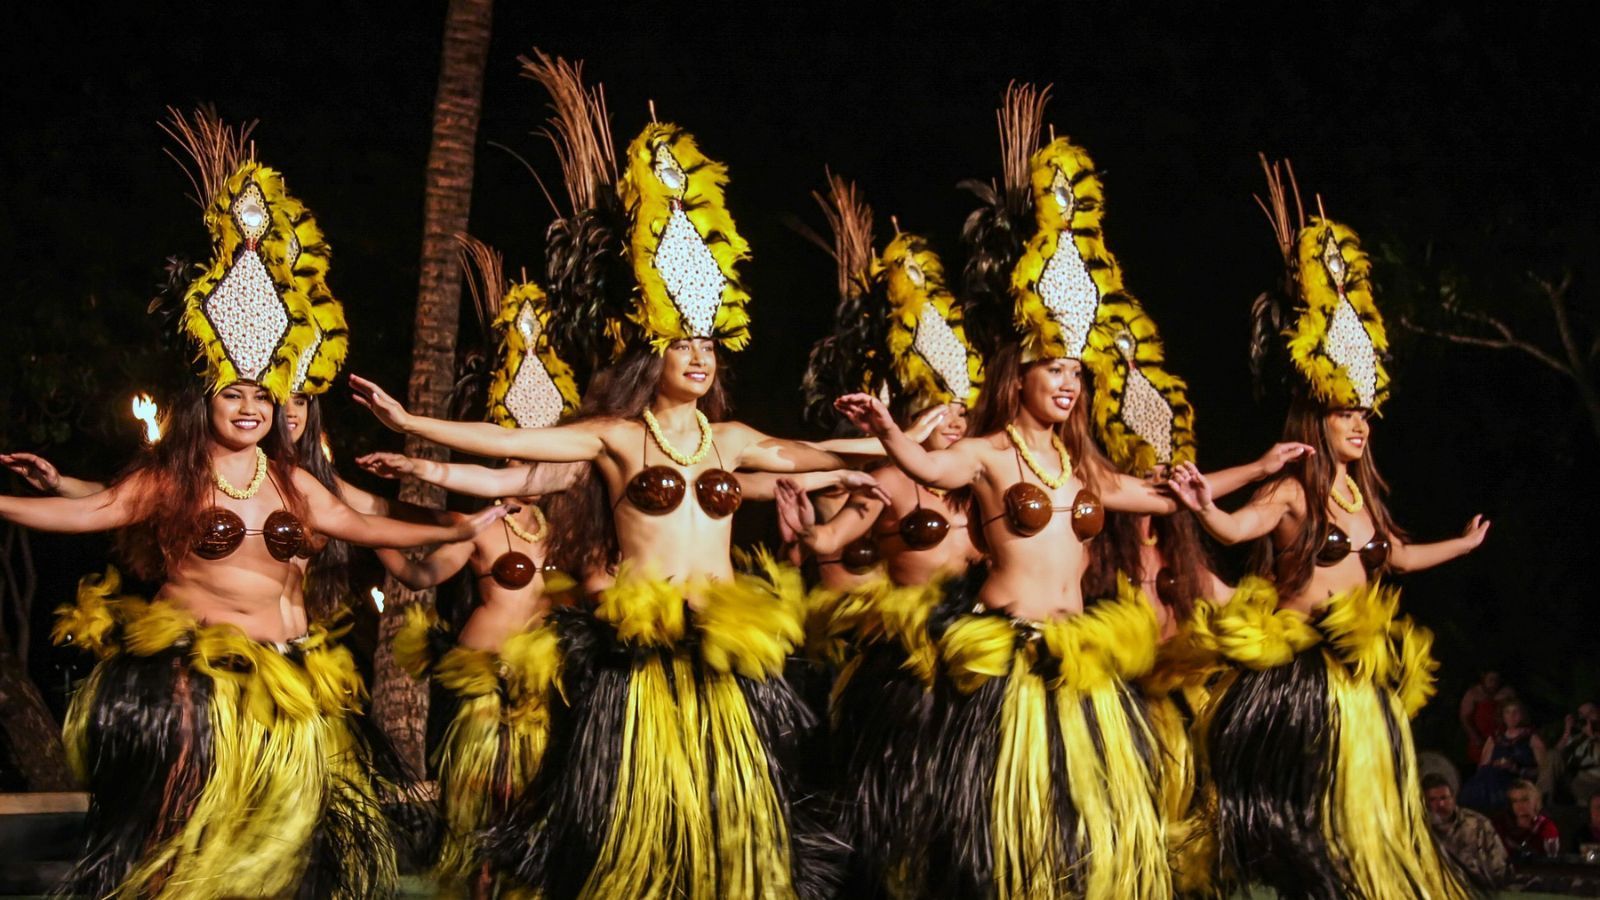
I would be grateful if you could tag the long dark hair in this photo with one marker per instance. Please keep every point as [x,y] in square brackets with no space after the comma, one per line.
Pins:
[1118,549]
[1001,402]
[179,484]
[1291,566]
[328,574]
[584,538]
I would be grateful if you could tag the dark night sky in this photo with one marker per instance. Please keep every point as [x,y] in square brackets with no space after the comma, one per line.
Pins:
[1413,123]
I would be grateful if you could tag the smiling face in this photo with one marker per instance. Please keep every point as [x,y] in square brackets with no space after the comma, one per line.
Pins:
[241,415]
[689,368]
[1348,431]
[1050,388]
[294,415]
[952,429]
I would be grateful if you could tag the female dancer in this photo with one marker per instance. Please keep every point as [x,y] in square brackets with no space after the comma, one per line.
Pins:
[668,774]
[898,327]
[217,734]
[1049,784]
[1310,744]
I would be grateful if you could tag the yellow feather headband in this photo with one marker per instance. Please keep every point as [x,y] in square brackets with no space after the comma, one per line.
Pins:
[683,244]
[1338,341]
[933,360]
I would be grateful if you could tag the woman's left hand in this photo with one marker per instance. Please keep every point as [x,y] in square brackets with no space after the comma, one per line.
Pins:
[1475,532]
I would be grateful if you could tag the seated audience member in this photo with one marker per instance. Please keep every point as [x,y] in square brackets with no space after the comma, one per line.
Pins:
[1528,833]
[1480,712]
[1515,752]
[1579,751]
[1469,837]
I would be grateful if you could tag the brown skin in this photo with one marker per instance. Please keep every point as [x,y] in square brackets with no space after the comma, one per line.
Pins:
[684,544]
[247,588]
[1022,581]
[1280,511]
[881,514]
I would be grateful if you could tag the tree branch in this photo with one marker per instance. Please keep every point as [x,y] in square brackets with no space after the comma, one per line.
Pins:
[1507,340]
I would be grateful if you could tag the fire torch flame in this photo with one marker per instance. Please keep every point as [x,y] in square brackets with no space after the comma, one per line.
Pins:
[377,599]
[146,411]
[327,448]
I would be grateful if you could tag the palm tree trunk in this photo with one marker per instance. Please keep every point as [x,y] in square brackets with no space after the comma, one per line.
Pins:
[400,704]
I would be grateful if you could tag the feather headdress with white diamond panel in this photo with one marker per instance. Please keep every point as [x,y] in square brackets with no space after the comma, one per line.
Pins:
[1338,341]
[932,360]
[683,244]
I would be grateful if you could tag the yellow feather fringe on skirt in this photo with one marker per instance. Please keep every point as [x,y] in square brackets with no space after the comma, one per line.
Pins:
[218,766]
[1049,770]
[1309,745]
[1175,692]
[497,736]
[670,772]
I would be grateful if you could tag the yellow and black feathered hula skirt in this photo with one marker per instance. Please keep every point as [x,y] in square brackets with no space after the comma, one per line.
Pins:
[219,766]
[670,767]
[496,738]
[1047,769]
[1176,692]
[884,713]
[1308,743]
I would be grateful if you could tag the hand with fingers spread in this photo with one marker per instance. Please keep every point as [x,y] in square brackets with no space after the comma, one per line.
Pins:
[925,424]
[867,413]
[1190,487]
[388,410]
[35,470]
[797,517]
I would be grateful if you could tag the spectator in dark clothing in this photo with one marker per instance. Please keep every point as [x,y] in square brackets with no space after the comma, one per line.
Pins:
[1480,712]
[1516,752]
[1579,751]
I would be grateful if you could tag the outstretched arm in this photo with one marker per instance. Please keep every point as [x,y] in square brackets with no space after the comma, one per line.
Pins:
[103,511]
[45,478]
[1226,481]
[476,481]
[1416,557]
[333,517]
[1254,520]
[826,539]
[578,442]
[432,569]
[948,469]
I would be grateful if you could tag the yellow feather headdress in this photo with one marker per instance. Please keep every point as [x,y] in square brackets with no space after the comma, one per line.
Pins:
[683,244]
[246,312]
[309,257]
[532,387]
[1065,269]
[1071,303]
[1141,411]
[1338,341]
[932,358]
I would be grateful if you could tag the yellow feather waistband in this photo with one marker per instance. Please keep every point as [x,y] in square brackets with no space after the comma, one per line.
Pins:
[1361,628]
[1112,640]
[320,676]
[747,624]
